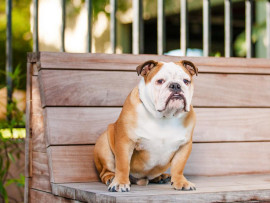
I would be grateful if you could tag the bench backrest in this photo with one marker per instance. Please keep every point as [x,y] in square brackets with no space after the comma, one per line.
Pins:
[73,97]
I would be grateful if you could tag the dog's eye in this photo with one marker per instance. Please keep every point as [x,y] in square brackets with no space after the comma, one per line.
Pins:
[187,82]
[160,81]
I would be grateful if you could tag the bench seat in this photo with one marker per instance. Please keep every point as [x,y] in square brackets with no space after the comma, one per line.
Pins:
[209,189]
[71,99]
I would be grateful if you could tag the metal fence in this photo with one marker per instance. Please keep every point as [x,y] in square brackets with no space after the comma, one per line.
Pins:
[137,29]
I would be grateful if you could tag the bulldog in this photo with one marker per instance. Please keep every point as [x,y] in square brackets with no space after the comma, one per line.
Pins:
[153,132]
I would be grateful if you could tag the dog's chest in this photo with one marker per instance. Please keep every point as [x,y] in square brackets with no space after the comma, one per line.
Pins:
[163,130]
[159,137]
[160,151]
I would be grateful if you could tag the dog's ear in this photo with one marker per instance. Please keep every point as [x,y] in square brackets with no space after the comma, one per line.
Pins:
[146,67]
[192,69]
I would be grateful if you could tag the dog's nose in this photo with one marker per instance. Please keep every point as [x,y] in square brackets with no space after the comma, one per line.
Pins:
[175,87]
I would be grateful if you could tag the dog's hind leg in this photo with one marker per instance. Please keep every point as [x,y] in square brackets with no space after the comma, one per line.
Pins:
[162,179]
[104,159]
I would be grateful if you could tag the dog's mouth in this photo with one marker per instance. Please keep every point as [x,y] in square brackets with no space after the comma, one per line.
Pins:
[175,96]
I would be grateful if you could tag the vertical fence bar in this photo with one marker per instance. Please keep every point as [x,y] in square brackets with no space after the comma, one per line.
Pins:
[35,26]
[113,4]
[268,27]
[63,5]
[206,28]
[228,28]
[161,27]
[9,50]
[137,27]
[249,17]
[89,25]
[184,27]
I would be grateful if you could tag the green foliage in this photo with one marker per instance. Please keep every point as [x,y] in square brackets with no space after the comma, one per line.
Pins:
[258,31]
[10,150]
[21,35]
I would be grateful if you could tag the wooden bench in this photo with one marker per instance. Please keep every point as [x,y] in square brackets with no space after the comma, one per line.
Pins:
[71,98]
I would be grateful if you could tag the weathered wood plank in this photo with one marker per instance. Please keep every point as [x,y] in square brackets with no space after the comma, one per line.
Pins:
[206,159]
[37,121]
[44,197]
[129,62]
[71,125]
[77,125]
[28,138]
[72,164]
[40,163]
[41,182]
[41,178]
[104,88]
[229,158]
[209,189]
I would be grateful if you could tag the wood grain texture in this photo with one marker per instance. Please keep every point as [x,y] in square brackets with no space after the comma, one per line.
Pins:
[75,163]
[41,182]
[77,125]
[37,121]
[130,62]
[229,158]
[27,149]
[108,88]
[72,164]
[83,125]
[41,178]
[209,189]
[44,197]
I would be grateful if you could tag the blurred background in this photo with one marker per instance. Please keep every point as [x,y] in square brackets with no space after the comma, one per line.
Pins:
[12,114]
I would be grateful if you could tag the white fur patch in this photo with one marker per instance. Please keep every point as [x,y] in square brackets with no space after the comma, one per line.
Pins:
[159,136]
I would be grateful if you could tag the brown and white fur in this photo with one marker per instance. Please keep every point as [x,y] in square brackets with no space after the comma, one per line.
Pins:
[153,132]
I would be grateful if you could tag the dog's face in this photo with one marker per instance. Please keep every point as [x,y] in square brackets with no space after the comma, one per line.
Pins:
[167,88]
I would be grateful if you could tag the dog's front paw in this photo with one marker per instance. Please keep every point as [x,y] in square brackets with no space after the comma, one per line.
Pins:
[115,186]
[181,183]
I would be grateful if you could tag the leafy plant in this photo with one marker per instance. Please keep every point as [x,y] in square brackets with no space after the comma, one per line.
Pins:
[258,31]
[10,150]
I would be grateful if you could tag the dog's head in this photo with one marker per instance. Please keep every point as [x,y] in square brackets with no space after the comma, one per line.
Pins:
[166,89]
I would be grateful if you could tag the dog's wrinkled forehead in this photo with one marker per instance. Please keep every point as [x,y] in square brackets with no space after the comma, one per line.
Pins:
[149,69]
[172,71]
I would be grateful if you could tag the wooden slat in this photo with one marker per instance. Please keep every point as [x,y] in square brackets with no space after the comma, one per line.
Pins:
[41,178]
[209,189]
[67,126]
[75,163]
[104,88]
[41,182]
[40,163]
[129,62]
[229,158]
[27,149]
[44,197]
[77,125]
[28,119]
[37,122]
[72,164]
